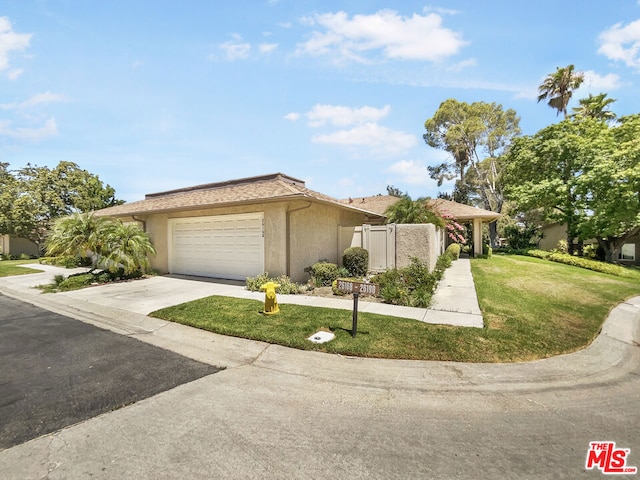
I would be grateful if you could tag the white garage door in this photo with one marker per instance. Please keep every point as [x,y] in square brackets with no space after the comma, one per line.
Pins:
[223,246]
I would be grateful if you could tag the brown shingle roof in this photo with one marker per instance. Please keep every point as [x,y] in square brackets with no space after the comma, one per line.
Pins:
[380,203]
[377,204]
[461,211]
[265,188]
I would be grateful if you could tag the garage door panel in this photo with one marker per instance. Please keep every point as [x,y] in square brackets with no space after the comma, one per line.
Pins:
[225,246]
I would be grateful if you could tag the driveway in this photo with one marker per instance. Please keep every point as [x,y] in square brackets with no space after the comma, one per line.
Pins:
[57,371]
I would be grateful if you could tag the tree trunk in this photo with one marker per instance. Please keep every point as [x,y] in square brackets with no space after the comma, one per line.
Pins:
[493,234]
[569,242]
[608,253]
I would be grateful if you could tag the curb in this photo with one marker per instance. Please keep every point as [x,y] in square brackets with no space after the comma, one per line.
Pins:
[614,354]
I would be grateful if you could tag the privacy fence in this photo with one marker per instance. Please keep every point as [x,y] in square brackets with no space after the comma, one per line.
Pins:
[393,245]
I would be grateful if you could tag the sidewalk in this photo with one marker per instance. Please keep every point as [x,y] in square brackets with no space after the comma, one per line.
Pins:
[123,308]
[454,302]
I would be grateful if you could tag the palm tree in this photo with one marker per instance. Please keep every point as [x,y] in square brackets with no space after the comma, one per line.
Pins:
[558,88]
[595,107]
[406,210]
[128,248]
[79,234]
[111,244]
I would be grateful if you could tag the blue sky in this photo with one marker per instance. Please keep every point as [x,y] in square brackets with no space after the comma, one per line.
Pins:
[155,95]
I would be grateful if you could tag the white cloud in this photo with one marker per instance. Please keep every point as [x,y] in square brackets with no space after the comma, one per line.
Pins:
[622,43]
[42,98]
[381,141]
[9,42]
[267,47]
[235,49]
[14,74]
[37,99]
[293,116]
[419,37]
[49,129]
[458,67]
[596,82]
[342,116]
[411,172]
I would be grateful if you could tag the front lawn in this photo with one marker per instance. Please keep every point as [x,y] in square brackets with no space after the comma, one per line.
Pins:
[532,309]
[12,267]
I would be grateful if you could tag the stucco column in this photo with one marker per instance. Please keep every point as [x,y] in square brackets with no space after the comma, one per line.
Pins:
[477,236]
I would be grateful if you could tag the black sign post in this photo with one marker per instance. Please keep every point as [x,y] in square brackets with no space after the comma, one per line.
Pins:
[354,322]
[349,286]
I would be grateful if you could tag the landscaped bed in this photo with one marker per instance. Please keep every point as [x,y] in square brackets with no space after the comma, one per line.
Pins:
[532,309]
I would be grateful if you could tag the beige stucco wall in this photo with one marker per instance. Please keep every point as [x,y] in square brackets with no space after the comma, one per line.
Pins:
[418,240]
[552,235]
[15,246]
[313,233]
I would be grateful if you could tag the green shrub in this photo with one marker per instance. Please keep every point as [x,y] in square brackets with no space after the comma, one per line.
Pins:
[412,285]
[453,250]
[581,262]
[324,273]
[521,237]
[356,261]
[487,251]
[286,285]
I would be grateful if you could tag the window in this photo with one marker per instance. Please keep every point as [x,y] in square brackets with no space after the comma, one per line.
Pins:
[628,251]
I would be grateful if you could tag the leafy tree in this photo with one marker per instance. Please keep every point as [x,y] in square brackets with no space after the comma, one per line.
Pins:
[542,171]
[558,88]
[46,194]
[394,191]
[476,135]
[610,186]
[595,106]
[8,195]
[582,173]
[407,210]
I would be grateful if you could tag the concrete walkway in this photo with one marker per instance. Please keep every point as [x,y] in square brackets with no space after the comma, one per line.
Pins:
[123,308]
[455,300]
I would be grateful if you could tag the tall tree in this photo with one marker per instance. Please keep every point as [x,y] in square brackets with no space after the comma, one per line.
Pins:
[8,196]
[582,173]
[476,135]
[542,170]
[595,106]
[395,191]
[558,88]
[610,186]
[46,194]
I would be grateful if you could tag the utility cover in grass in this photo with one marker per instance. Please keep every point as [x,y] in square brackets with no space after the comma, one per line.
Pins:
[321,337]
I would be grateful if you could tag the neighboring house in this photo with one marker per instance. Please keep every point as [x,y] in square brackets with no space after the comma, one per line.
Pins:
[462,213]
[243,227]
[16,246]
[552,233]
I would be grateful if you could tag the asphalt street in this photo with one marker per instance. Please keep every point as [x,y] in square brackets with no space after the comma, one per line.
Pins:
[57,371]
[281,413]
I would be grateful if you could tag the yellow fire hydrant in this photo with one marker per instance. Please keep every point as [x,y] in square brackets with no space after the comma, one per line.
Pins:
[270,300]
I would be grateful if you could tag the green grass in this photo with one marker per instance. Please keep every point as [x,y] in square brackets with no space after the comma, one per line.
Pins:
[532,308]
[12,267]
